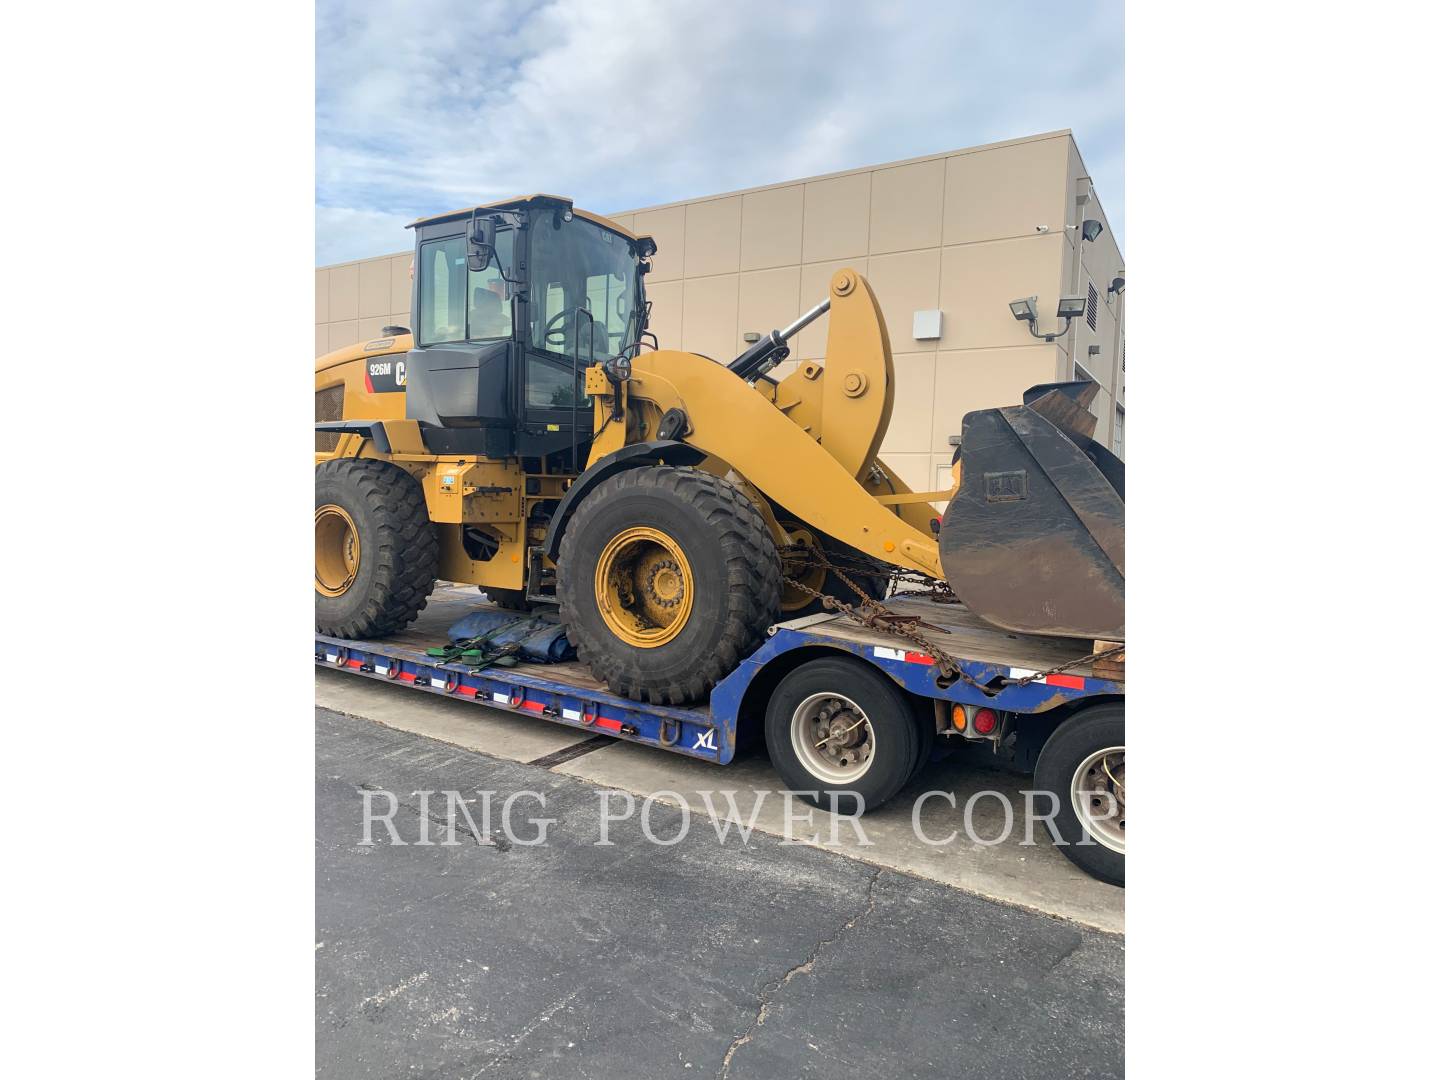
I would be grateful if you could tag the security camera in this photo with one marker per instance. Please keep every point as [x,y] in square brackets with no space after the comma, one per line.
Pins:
[1042,228]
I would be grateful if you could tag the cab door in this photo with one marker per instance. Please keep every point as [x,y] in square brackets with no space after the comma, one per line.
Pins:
[558,344]
[580,286]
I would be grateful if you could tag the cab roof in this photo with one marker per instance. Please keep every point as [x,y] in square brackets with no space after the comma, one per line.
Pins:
[520,202]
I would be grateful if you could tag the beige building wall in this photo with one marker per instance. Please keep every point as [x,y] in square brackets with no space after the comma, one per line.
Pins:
[963,233]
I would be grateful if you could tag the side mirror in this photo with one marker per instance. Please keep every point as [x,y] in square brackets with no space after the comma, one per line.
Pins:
[482,239]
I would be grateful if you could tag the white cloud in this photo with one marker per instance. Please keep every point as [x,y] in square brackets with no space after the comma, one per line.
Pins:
[361,233]
[429,105]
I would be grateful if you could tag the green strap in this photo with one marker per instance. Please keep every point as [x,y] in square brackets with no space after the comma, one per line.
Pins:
[478,653]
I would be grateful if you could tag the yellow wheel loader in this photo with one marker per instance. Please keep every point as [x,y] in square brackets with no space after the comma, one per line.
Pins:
[526,435]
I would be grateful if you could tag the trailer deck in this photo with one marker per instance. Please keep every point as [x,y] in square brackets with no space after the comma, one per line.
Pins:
[567,693]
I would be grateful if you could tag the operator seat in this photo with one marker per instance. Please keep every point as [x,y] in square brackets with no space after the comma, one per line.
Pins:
[489,317]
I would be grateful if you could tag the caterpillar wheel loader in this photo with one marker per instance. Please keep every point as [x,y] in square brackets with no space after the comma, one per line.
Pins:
[528,436]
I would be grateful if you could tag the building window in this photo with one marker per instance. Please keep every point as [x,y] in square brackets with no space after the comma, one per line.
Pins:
[1092,305]
[1119,440]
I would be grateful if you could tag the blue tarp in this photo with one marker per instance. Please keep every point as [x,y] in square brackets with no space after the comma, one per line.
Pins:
[542,640]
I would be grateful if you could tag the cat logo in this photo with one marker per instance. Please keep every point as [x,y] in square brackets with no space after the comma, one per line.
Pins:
[399,372]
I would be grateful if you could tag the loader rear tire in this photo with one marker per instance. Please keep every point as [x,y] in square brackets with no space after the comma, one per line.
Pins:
[376,554]
[667,579]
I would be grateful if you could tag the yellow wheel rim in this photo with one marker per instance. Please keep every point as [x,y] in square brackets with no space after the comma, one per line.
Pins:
[337,550]
[802,567]
[644,587]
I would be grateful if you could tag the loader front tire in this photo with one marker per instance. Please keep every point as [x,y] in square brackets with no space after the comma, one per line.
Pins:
[376,554]
[667,579]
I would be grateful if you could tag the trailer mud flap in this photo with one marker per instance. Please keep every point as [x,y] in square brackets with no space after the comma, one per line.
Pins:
[1034,540]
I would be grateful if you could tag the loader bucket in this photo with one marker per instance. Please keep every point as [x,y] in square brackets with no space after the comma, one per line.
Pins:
[1034,540]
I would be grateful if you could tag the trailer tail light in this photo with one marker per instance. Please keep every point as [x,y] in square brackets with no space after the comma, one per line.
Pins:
[957,717]
[985,721]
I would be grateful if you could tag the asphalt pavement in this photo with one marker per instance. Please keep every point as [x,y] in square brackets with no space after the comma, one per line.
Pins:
[1036,876]
[496,958]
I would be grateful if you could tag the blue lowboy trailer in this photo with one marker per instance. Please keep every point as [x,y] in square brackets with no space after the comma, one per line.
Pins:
[848,713]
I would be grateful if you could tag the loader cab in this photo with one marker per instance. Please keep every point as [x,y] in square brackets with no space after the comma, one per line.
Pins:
[511,302]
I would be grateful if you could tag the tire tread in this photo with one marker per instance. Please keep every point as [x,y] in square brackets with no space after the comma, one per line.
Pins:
[752,575]
[407,556]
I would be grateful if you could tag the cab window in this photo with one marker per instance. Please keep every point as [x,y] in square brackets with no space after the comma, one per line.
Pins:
[490,314]
[459,304]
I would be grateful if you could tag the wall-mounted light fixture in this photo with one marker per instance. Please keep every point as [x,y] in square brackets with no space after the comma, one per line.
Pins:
[926,325]
[1070,307]
[1117,285]
[1091,229]
[751,336]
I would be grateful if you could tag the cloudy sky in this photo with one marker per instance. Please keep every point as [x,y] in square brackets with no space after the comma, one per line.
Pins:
[424,106]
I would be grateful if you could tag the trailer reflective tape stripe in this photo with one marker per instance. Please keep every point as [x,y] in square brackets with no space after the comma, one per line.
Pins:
[471,690]
[533,706]
[903,655]
[571,714]
[381,669]
[407,676]
[503,699]
[331,657]
[1070,682]
[607,723]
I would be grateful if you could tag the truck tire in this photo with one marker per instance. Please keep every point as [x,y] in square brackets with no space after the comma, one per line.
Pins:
[667,578]
[1083,766]
[376,554]
[925,735]
[879,734]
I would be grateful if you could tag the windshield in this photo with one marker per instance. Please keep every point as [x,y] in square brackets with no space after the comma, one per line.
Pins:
[584,290]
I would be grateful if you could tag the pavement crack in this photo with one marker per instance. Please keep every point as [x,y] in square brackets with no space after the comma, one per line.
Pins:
[767,992]
[529,1029]
[1070,951]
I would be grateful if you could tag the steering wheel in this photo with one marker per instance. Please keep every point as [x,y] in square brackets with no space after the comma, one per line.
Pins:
[551,330]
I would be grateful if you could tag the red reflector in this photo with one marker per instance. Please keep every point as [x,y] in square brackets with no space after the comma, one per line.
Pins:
[984,721]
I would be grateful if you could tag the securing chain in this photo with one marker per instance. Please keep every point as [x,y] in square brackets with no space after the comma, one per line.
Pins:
[875,616]
[1090,659]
